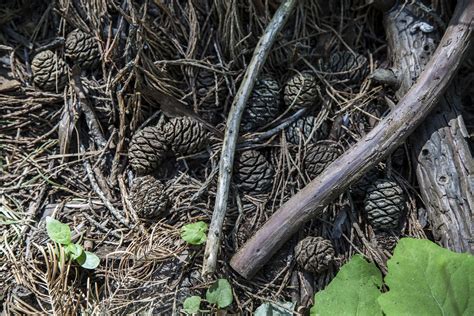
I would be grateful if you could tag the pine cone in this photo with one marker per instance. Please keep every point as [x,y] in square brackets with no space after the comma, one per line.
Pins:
[253,172]
[49,71]
[361,186]
[319,156]
[346,67]
[82,49]
[314,254]
[301,91]
[186,135]
[147,149]
[384,204]
[263,105]
[206,93]
[304,127]
[148,197]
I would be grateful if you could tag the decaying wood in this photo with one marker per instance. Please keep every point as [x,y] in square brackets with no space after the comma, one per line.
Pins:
[442,159]
[232,132]
[391,132]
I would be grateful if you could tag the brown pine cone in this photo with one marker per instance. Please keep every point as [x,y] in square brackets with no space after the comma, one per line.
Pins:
[301,91]
[82,49]
[305,127]
[49,71]
[319,156]
[147,149]
[384,204]
[346,67]
[263,105]
[360,187]
[314,254]
[253,172]
[185,135]
[147,196]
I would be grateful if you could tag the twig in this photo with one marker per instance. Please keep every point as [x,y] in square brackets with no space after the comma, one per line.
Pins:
[91,118]
[98,191]
[381,141]
[232,132]
[267,134]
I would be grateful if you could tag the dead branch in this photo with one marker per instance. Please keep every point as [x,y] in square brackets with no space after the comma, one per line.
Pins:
[232,132]
[412,109]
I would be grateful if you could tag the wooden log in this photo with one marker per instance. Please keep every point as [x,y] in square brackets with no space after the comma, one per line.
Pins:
[442,159]
[381,141]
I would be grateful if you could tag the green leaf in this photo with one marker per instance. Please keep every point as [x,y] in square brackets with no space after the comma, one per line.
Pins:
[74,250]
[354,291]
[220,293]
[191,304]
[58,231]
[88,260]
[195,233]
[271,309]
[428,280]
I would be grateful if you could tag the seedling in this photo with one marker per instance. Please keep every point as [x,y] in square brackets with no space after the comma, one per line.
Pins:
[61,234]
[219,294]
[194,233]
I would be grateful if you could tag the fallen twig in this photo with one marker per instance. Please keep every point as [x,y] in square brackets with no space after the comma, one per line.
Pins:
[381,141]
[91,119]
[232,132]
[98,191]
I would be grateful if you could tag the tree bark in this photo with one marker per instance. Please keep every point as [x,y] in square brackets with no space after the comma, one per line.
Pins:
[392,131]
[441,155]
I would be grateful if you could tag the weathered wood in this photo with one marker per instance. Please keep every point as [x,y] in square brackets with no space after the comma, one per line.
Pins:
[382,140]
[232,132]
[442,160]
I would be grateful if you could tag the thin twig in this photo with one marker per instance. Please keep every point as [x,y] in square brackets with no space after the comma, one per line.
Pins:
[232,132]
[98,191]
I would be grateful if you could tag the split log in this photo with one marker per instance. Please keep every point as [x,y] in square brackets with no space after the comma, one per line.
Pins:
[391,132]
[442,159]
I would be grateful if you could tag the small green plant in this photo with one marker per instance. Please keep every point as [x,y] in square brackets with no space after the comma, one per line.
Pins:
[61,234]
[423,279]
[219,294]
[194,233]
[192,305]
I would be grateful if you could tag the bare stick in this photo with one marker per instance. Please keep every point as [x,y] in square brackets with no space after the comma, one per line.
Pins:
[91,118]
[90,174]
[383,139]
[232,132]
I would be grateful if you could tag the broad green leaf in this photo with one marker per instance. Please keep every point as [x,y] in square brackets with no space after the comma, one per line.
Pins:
[270,309]
[220,293]
[426,279]
[354,291]
[195,233]
[58,231]
[74,250]
[88,260]
[191,304]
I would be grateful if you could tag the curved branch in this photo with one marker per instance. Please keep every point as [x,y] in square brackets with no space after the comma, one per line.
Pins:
[232,132]
[383,139]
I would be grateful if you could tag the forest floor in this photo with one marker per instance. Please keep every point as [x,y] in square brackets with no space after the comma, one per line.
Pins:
[65,147]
